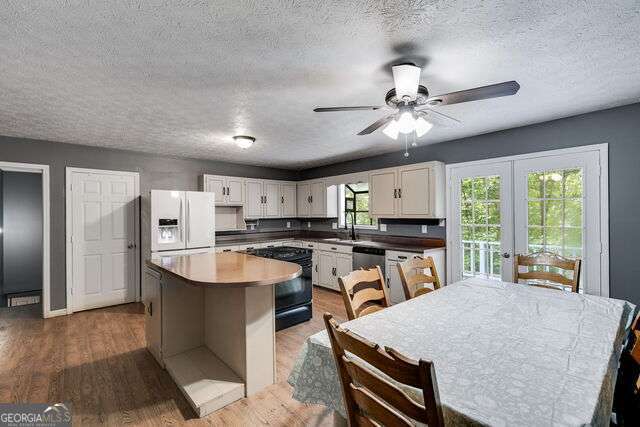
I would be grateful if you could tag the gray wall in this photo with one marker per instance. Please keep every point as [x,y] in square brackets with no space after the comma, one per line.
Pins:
[156,172]
[619,127]
[22,232]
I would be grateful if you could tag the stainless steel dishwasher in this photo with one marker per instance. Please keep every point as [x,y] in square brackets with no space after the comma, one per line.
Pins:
[364,257]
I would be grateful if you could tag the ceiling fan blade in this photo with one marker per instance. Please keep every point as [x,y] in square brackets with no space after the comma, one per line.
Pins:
[406,78]
[358,108]
[476,94]
[438,118]
[378,124]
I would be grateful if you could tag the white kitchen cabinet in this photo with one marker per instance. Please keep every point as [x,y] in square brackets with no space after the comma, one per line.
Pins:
[412,191]
[288,198]
[253,207]
[271,204]
[332,265]
[229,190]
[317,200]
[394,283]
[151,298]
[316,267]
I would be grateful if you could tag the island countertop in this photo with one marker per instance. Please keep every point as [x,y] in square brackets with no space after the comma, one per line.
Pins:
[226,269]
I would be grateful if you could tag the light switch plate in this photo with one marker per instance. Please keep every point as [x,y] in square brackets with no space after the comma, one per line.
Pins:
[424,229]
[334,225]
[308,224]
[288,224]
[383,227]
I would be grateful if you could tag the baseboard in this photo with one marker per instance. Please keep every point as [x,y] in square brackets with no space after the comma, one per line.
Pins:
[55,313]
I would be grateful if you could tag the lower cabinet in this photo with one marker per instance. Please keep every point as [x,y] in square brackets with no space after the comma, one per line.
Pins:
[332,265]
[151,297]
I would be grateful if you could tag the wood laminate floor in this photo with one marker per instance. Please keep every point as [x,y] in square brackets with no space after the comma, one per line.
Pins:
[97,361]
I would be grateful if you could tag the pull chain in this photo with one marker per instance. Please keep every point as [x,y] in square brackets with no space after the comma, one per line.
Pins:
[406,145]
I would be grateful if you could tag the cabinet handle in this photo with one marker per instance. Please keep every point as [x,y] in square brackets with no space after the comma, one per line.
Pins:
[402,257]
[228,192]
[388,280]
[399,193]
[226,250]
[282,200]
[311,197]
[334,249]
[150,308]
[316,268]
[395,193]
[223,191]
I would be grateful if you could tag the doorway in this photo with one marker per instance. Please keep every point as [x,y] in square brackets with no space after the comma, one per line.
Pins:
[24,237]
[103,257]
[555,201]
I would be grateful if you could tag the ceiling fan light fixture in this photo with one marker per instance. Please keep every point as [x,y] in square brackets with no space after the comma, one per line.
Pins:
[422,126]
[391,130]
[406,78]
[406,122]
[244,141]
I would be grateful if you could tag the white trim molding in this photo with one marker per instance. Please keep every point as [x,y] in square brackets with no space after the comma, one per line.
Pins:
[69,227]
[603,154]
[46,227]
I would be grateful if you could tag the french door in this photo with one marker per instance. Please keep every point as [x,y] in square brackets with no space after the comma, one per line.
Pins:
[550,201]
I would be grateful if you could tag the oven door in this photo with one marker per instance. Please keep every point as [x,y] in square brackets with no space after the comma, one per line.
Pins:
[295,292]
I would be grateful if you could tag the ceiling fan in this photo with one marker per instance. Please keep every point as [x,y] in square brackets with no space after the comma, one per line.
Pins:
[409,103]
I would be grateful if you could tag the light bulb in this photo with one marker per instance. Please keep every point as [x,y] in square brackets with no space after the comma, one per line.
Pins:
[391,130]
[422,126]
[406,122]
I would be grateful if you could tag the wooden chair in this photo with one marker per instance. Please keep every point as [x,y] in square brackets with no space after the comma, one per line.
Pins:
[626,400]
[360,298]
[547,279]
[412,276]
[370,399]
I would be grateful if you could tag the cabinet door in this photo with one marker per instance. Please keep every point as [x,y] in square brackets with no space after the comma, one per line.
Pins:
[383,193]
[344,266]
[326,266]
[255,197]
[394,284]
[288,200]
[152,313]
[415,191]
[235,189]
[318,199]
[302,200]
[215,185]
[271,199]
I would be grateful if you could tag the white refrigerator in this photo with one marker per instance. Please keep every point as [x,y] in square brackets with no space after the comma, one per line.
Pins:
[182,222]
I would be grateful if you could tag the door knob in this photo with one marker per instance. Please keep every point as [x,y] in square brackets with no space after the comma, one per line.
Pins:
[506,255]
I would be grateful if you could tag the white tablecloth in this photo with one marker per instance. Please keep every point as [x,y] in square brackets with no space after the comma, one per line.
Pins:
[504,354]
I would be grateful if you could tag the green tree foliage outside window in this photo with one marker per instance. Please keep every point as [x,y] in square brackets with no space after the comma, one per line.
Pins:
[356,200]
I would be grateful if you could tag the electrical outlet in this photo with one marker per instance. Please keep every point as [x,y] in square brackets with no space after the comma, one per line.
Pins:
[288,224]
[308,224]
[252,226]
[383,227]
[334,225]
[424,229]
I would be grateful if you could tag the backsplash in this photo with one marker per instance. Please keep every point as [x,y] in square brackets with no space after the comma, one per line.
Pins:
[395,227]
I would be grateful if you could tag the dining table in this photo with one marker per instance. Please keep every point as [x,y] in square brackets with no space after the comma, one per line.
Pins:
[505,354]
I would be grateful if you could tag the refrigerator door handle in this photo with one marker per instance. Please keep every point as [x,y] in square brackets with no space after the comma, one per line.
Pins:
[188,225]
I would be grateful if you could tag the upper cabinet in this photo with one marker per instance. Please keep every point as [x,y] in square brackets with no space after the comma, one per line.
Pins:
[229,190]
[270,199]
[288,196]
[317,200]
[412,191]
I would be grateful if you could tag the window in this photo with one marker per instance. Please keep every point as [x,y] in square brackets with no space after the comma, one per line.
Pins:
[355,204]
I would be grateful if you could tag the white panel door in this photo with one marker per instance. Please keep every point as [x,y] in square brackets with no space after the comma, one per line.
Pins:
[103,239]
[200,223]
[383,193]
[318,199]
[557,209]
[235,190]
[288,200]
[481,232]
[216,185]
[255,199]
[414,189]
[271,199]
[302,200]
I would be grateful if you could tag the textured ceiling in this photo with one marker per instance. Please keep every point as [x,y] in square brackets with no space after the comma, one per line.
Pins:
[182,77]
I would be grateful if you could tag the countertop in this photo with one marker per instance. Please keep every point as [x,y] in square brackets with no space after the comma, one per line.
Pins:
[226,269]
[403,244]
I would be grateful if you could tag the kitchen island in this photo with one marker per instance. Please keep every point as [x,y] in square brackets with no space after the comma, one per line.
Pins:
[210,322]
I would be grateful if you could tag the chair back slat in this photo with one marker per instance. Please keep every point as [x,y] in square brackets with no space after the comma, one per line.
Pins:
[547,259]
[358,299]
[412,275]
[371,399]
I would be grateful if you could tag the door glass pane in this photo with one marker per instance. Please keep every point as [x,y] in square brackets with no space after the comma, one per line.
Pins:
[555,212]
[480,227]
